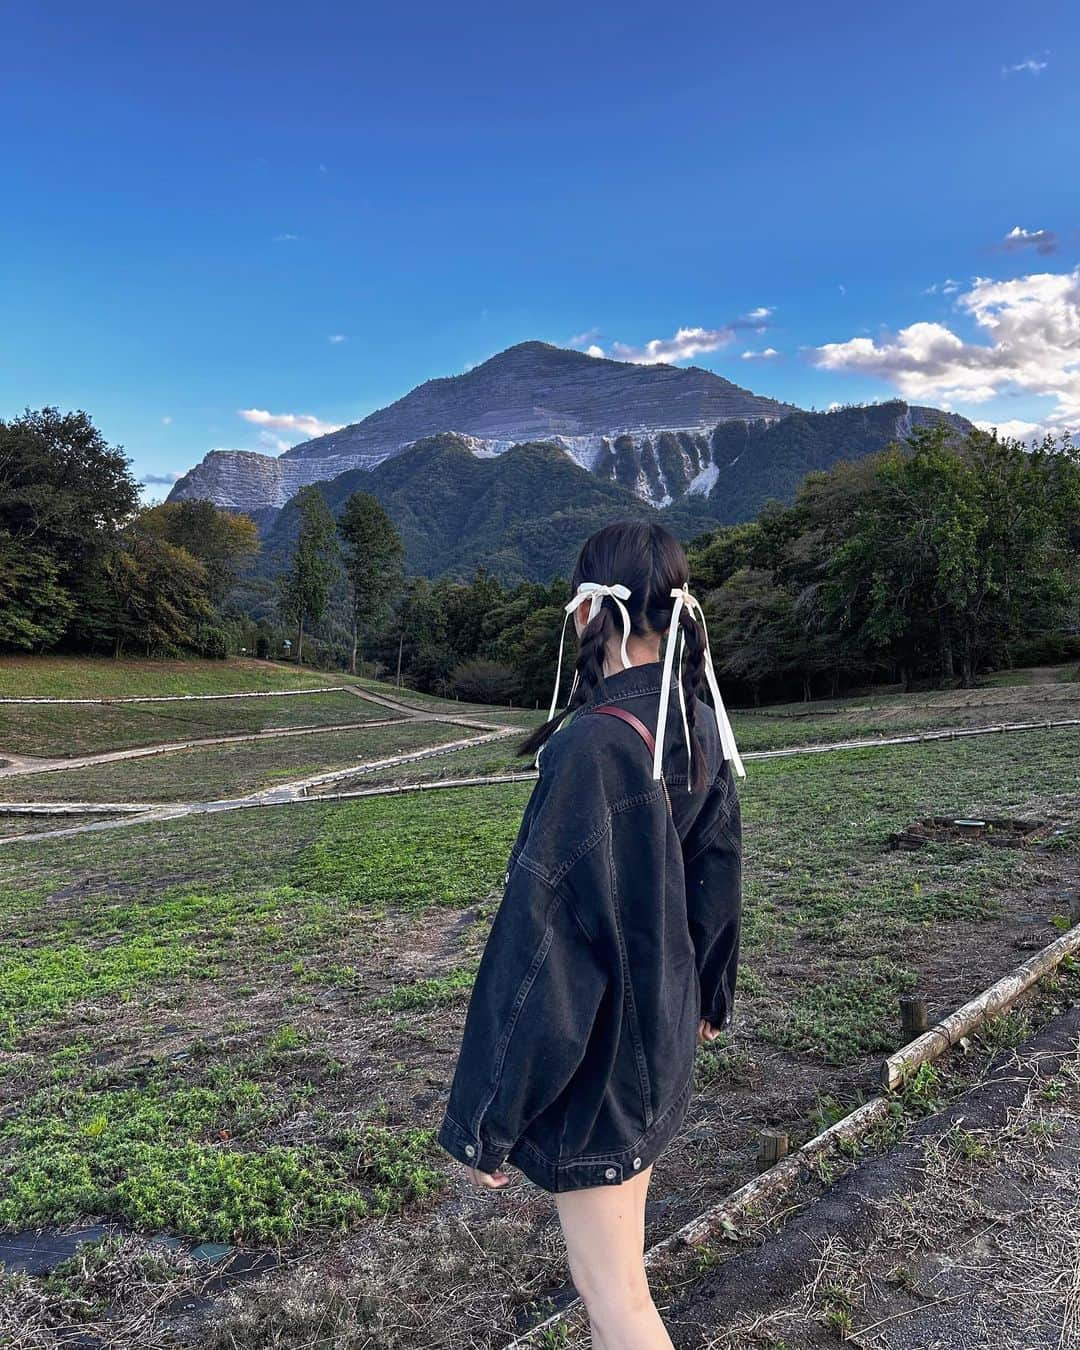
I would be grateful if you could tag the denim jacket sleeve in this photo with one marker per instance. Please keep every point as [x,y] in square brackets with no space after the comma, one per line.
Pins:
[533,1004]
[713,862]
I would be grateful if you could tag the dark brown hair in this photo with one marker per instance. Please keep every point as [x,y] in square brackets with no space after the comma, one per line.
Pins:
[650,561]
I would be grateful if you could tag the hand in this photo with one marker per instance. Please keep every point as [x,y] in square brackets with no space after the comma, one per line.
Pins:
[487,1181]
[707,1032]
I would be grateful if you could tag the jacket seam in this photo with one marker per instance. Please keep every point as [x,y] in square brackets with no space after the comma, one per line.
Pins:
[495,1145]
[703,845]
[644,1083]
[527,982]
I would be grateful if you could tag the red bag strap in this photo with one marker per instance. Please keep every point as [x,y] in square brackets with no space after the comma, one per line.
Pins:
[628,717]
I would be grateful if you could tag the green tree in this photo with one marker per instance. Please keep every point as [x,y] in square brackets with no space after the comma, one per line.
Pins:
[305,587]
[65,495]
[159,596]
[221,540]
[34,607]
[373,554]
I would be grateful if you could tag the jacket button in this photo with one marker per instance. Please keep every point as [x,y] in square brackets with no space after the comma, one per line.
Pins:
[637,1163]
[470,1152]
[611,1174]
[506,878]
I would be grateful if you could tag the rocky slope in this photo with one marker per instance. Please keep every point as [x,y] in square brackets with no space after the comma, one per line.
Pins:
[604,414]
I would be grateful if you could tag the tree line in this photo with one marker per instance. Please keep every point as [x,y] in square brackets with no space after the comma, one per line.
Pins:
[932,561]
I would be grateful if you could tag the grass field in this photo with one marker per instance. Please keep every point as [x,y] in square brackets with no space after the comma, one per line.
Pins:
[240,1029]
[65,729]
[103,677]
[208,772]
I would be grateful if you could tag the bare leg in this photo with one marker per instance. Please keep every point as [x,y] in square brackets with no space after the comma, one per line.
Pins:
[604,1227]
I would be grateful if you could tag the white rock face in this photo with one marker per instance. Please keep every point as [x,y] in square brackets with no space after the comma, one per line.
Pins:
[243,480]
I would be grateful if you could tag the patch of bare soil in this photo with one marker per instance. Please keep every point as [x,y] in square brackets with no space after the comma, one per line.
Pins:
[1002,833]
[966,1236]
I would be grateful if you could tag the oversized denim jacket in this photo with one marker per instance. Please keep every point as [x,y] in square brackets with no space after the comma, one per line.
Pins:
[618,931]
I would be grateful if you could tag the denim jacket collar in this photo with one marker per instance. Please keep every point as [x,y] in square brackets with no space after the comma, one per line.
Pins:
[644,678]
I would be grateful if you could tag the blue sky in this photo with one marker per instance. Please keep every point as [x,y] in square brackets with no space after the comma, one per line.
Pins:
[308,209]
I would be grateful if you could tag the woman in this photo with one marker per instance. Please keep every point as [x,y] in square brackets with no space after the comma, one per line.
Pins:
[614,950]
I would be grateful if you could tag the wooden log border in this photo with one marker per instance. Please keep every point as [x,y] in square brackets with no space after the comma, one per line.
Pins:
[999,996]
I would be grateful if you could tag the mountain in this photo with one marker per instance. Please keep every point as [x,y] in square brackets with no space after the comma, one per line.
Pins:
[528,393]
[525,512]
[752,462]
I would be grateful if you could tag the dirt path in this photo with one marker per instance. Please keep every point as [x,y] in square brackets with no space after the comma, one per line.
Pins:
[185,698]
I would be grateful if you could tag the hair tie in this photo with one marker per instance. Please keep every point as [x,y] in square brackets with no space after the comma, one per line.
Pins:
[594,591]
[682,596]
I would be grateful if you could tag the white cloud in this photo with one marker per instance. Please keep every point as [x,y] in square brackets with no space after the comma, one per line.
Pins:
[1014,429]
[335,338]
[166,421]
[686,344]
[765,355]
[1028,67]
[1042,241]
[1032,327]
[159,479]
[303,424]
[946,287]
[277,444]
[285,238]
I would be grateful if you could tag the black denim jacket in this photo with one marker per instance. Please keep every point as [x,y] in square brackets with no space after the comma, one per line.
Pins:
[617,932]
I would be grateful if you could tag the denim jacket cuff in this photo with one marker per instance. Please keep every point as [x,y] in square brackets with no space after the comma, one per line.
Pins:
[470,1149]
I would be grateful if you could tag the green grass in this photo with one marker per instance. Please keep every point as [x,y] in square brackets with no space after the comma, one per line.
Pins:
[875,717]
[496,757]
[169,1155]
[842,1017]
[63,730]
[207,773]
[103,677]
[199,1016]
[434,993]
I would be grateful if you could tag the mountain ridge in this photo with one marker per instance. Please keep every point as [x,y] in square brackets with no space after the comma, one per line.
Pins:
[525,512]
[529,392]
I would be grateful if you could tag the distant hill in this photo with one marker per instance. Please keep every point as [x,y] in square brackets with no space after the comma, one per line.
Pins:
[524,513]
[530,392]
[758,460]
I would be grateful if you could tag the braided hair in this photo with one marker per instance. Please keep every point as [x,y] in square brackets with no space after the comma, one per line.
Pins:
[650,561]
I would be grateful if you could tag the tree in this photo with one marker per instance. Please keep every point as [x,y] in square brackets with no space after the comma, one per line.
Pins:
[373,555]
[305,587]
[481,681]
[221,540]
[65,495]
[34,607]
[158,595]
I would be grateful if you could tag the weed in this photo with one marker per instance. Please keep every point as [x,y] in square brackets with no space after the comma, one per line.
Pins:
[921,1090]
[433,993]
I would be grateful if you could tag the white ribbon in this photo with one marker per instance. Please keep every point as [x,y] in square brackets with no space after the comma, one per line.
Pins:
[596,590]
[682,596]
